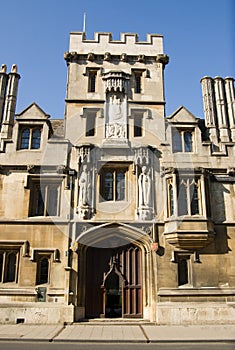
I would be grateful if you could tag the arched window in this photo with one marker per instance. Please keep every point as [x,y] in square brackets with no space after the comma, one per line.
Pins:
[36,139]
[25,137]
[188,197]
[9,265]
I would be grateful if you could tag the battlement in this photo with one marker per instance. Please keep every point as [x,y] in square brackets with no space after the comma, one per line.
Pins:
[128,43]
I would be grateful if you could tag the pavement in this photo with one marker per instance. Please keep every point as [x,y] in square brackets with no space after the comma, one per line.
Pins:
[117,333]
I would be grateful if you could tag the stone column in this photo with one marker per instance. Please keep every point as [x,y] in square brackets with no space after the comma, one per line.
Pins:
[221,109]
[210,108]
[230,96]
[10,103]
[3,84]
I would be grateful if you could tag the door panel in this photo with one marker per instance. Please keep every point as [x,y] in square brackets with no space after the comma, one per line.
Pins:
[129,263]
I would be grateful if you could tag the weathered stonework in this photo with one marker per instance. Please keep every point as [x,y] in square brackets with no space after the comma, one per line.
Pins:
[117,210]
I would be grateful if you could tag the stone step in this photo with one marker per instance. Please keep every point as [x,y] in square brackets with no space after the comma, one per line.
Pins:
[111,321]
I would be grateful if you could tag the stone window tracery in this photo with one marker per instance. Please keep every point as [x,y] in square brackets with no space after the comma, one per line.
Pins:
[185,196]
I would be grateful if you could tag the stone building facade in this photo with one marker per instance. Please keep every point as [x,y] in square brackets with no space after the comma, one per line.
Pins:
[117,211]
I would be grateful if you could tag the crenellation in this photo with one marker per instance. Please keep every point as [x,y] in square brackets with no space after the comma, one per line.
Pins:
[128,43]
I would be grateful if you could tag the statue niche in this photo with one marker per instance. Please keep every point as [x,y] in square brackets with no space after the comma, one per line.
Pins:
[115,116]
[116,106]
[84,197]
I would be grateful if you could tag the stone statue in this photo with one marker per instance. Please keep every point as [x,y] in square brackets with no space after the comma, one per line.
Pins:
[115,108]
[84,185]
[144,185]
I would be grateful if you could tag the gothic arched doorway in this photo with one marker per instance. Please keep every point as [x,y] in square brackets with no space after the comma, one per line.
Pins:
[114,282]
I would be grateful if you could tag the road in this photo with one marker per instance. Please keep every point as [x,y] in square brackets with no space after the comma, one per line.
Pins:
[94,346]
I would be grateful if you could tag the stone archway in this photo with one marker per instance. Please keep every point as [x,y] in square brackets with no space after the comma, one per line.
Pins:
[129,247]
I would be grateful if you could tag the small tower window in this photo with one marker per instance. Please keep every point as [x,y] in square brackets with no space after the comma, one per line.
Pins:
[92,80]
[138,87]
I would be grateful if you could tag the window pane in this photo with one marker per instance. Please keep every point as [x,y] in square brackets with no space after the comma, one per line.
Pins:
[92,81]
[40,198]
[108,186]
[182,200]
[1,266]
[188,145]
[182,272]
[24,142]
[171,200]
[194,199]
[11,267]
[138,126]
[177,142]
[52,201]
[137,83]
[90,124]
[120,186]
[36,139]
[43,271]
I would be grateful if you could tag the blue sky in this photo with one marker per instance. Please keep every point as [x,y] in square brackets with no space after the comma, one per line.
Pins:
[198,37]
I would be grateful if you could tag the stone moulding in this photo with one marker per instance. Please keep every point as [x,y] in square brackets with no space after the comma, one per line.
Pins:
[189,234]
[189,240]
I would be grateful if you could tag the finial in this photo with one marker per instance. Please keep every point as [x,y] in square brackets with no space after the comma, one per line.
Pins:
[14,68]
[3,68]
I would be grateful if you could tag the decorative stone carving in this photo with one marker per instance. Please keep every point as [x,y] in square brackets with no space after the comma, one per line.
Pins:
[84,187]
[141,58]
[123,57]
[162,58]
[115,131]
[107,56]
[90,56]
[84,154]
[116,81]
[142,156]
[84,198]
[62,169]
[31,168]
[26,249]
[70,56]
[144,185]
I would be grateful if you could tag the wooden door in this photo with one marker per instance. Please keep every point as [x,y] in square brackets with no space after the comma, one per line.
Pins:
[129,263]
